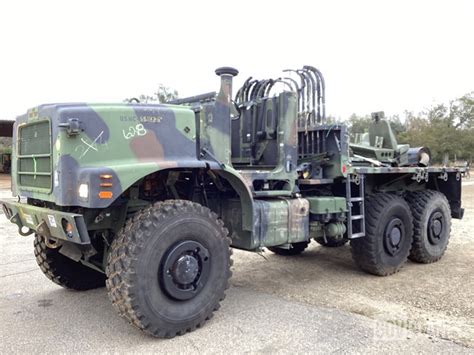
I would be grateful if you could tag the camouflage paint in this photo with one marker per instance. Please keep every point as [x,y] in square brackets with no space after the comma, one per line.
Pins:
[214,120]
[275,221]
[113,138]
[327,204]
[280,221]
[127,142]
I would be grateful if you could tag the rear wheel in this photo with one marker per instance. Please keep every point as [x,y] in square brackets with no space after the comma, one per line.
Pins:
[168,268]
[432,225]
[294,249]
[388,237]
[64,271]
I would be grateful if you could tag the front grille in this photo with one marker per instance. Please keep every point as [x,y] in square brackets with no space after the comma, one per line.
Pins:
[34,155]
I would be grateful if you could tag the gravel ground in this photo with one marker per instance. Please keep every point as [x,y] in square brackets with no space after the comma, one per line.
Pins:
[436,299]
[318,301]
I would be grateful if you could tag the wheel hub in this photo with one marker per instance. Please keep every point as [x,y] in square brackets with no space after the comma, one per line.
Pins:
[185,270]
[394,236]
[435,227]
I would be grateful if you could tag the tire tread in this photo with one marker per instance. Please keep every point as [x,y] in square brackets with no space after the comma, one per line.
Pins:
[364,250]
[63,271]
[418,201]
[122,260]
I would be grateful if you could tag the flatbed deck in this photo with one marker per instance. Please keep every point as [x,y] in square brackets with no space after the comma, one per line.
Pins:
[403,169]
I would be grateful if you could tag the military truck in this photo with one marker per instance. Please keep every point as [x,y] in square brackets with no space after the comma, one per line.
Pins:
[149,199]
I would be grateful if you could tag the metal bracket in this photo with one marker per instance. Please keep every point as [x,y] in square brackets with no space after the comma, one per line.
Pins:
[16,219]
[355,179]
[72,126]
[444,176]
[43,230]
[205,151]
[421,176]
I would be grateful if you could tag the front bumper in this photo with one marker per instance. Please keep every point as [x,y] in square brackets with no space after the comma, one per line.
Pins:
[46,222]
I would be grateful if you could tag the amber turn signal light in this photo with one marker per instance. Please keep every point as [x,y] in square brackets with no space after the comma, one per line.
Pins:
[105,194]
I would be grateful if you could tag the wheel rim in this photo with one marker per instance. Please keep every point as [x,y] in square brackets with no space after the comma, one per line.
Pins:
[185,270]
[394,236]
[436,227]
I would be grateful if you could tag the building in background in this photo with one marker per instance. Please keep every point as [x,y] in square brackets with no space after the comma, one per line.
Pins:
[6,133]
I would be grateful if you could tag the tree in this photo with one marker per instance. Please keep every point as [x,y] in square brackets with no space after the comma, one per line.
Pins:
[162,95]
[462,111]
[398,127]
[360,124]
[444,129]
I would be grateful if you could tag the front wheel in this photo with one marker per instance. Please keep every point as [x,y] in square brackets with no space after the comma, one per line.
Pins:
[64,271]
[388,236]
[168,268]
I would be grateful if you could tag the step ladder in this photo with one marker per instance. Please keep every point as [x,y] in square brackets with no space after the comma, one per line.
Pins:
[355,222]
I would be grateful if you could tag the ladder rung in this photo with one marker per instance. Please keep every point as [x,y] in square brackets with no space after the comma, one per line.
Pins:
[356,199]
[357,217]
[358,235]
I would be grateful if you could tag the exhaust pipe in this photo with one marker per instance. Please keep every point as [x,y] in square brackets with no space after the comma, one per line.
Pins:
[226,74]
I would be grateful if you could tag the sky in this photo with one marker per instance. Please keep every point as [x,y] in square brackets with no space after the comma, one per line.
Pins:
[375,55]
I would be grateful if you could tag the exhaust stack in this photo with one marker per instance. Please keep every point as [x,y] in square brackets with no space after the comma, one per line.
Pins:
[226,74]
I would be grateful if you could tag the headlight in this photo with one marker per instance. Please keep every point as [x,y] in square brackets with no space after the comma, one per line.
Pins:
[84,191]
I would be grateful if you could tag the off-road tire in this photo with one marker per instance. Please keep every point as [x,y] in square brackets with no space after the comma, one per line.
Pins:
[331,242]
[375,253]
[136,266]
[426,206]
[64,271]
[295,249]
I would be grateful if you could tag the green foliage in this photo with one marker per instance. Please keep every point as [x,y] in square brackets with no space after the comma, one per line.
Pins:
[444,129]
[360,124]
[163,94]
[462,111]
